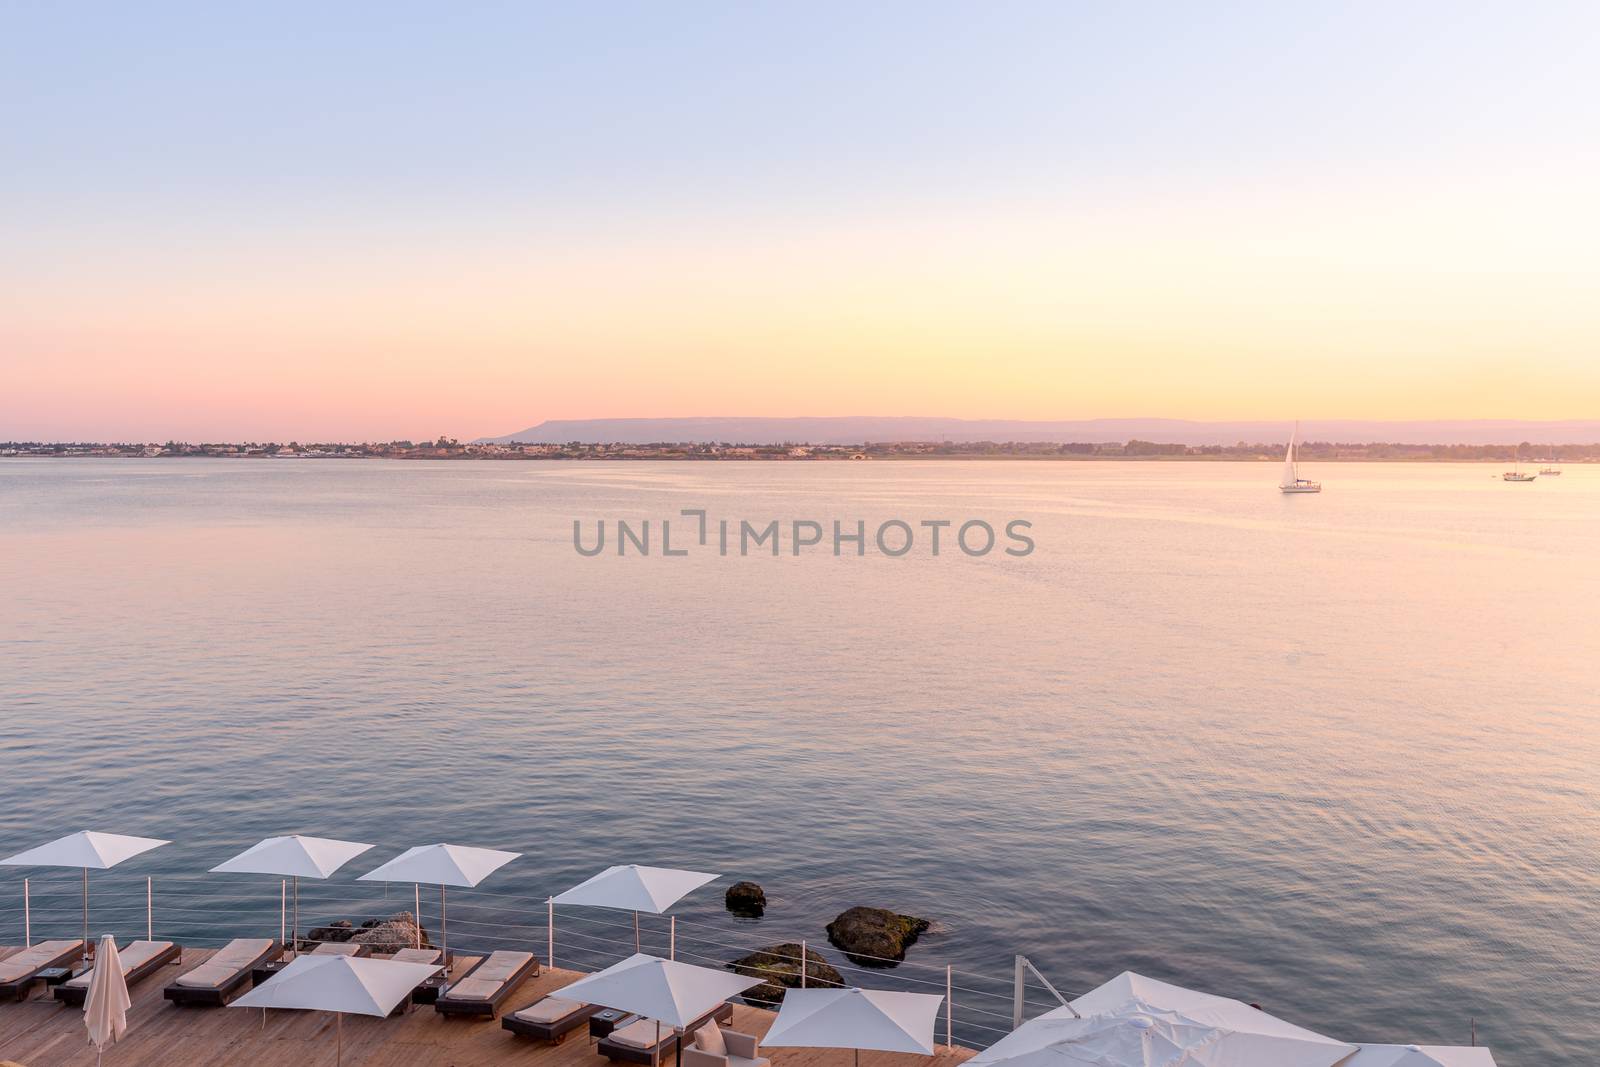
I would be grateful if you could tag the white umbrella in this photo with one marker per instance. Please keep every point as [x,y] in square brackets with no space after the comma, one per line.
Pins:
[879,1020]
[441,865]
[344,985]
[296,857]
[1132,1021]
[85,849]
[669,992]
[1420,1056]
[634,888]
[105,1011]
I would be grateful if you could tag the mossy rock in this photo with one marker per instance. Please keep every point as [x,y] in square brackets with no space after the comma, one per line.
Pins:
[875,937]
[778,967]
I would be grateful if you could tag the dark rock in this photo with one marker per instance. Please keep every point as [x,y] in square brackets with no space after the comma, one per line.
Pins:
[874,937]
[779,968]
[398,931]
[340,931]
[747,899]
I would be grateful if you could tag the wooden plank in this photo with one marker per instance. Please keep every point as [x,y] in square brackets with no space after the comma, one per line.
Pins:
[43,1033]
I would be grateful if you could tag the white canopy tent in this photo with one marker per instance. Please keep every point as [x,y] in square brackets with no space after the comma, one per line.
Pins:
[87,850]
[878,1020]
[105,1010]
[664,990]
[441,865]
[631,888]
[344,985]
[1133,1021]
[296,857]
[1420,1056]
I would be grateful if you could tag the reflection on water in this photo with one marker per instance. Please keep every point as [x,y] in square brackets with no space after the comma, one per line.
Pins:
[1332,754]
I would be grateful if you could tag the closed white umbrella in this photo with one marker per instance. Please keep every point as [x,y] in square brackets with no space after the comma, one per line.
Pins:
[664,990]
[634,888]
[441,865]
[105,1011]
[296,857]
[344,985]
[86,849]
[879,1020]
[1420,1056]
[1133,1021]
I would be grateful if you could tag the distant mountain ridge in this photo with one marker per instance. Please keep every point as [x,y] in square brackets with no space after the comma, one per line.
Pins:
[847,430]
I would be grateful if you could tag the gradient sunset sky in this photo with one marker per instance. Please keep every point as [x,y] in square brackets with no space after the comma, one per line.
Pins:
[366,221]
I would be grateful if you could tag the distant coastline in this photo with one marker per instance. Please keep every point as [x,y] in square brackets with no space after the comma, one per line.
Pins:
[1134,450]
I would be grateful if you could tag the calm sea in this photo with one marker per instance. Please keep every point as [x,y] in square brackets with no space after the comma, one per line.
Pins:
[1336,755]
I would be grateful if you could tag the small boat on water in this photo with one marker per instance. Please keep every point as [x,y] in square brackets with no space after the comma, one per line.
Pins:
[1292,482]
[1550,470]
[1515,473]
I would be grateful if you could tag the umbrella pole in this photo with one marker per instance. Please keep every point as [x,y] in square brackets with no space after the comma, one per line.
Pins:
[416,909]
[338,1029]
[444,926]
[294,931]
[635,931]
[87,947]
[27,917]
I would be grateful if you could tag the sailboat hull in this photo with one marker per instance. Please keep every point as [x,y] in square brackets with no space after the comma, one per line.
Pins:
[1313,487]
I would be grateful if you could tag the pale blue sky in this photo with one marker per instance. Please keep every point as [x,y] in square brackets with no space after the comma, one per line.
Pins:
[874,188]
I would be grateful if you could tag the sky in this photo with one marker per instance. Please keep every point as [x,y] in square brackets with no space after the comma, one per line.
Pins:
[366,221]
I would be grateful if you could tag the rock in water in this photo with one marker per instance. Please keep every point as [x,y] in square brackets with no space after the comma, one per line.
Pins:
[398,931]
[779,968]
[747,899]
[874,937]
[321,935]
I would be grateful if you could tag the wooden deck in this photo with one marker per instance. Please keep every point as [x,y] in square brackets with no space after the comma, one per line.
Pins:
[42,1033]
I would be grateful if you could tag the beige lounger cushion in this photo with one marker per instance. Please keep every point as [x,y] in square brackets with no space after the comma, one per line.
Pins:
[642,1034]
[336,948]
[29,960]
[549,1010]
[487,977]
[709,1039]
[417,955]
[135,955]
[232,958]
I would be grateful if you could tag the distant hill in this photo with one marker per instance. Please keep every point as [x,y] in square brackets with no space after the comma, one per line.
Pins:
[859,429]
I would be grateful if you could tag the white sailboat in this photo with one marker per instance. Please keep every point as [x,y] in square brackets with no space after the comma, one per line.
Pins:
[1515,473]
[1292,482]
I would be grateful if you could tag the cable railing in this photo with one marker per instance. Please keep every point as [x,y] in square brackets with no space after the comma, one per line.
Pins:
[186,909]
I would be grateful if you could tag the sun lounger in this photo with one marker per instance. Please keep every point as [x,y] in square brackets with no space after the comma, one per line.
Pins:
[139,960]
[341,948]
[416,955]
[549,1018]
[19,970]
[636,1042]
[738,1050]
[482,990]
[218,979]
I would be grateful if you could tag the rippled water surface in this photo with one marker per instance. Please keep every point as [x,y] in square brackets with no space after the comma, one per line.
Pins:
[1336,755]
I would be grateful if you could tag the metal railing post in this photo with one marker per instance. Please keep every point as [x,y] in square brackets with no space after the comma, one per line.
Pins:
[27,917]
[802,965]
[550,930]
[1017,979]
[149,910]
[949,1005]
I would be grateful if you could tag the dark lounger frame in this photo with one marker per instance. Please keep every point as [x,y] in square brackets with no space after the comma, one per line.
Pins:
[75,995]
[556,1031]
[619,1053]
[218,995]
[446,1005]
[17,988]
